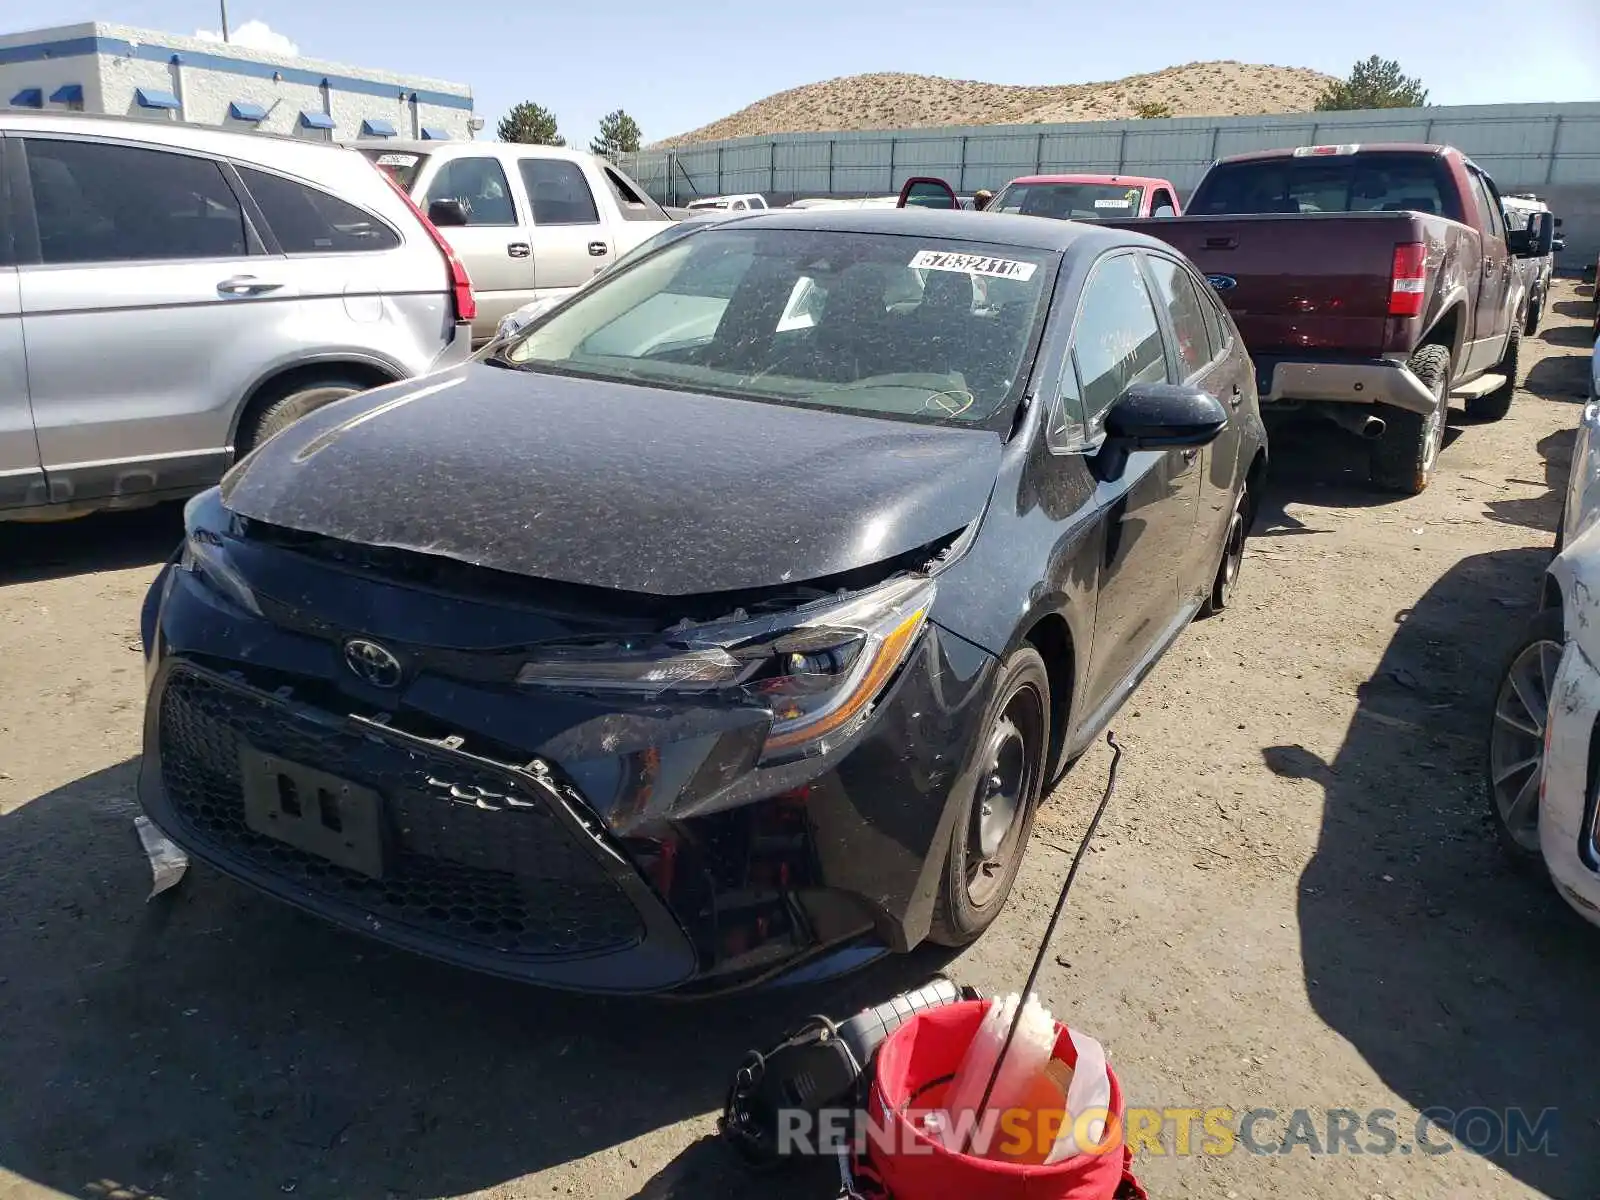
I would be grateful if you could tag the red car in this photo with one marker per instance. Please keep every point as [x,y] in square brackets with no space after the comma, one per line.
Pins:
[1087,197]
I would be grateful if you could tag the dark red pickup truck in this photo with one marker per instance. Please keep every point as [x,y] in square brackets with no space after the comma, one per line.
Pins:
[1370,283]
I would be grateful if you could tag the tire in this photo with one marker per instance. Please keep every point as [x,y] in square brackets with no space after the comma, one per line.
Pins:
[1013,748]
[275,411]
[1405,457]
[1232,559]
[1513,790]
[1491,406]
[1535,315]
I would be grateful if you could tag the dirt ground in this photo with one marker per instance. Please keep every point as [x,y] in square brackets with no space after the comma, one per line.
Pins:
[1296,902]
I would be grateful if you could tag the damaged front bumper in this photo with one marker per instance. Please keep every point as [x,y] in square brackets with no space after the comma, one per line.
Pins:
[577,841]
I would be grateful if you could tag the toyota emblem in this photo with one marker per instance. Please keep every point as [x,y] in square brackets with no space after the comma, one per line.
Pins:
[372,663]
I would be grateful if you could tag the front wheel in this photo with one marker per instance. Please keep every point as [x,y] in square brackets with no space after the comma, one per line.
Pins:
[1516,735]
[992,825]
[1406,454]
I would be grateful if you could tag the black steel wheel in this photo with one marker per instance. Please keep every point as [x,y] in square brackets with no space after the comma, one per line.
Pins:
[991,827]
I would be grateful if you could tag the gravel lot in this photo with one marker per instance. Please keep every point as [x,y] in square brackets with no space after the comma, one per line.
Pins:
[1296,902]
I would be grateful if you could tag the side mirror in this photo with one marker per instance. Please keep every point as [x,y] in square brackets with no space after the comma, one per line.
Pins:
[927,192]
[1519,242]
[445,213]
[1543,232]
[1159,416]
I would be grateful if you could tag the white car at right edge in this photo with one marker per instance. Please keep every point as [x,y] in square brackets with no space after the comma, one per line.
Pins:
[1544,742]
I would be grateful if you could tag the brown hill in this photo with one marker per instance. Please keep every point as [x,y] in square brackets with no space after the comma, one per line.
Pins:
[892,100]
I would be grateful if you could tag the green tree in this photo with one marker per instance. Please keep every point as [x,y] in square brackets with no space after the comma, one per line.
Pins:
[1152,110]
[530,123]
[619,134]
[1374,83]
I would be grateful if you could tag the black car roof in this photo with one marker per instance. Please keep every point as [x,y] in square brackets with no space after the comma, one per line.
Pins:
[1006,229]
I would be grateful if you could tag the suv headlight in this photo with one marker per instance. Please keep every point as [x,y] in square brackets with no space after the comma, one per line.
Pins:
[205,551]
[818,668]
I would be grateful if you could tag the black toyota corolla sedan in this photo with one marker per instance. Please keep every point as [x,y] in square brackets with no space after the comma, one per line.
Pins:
[732,617]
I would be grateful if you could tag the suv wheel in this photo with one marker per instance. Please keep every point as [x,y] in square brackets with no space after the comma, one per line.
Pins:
[1491,406]
[1406,455]
[274,411]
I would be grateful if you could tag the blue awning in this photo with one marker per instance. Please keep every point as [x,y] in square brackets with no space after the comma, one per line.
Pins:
[240,110]
[377,127]
[67,93]
[315,120]
[28,98]
[432,133]
[154,98]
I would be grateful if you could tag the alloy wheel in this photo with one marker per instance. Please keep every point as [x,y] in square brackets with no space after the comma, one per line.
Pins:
[1516,749]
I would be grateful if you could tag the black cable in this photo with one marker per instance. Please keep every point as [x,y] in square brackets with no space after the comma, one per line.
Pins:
[1044,944]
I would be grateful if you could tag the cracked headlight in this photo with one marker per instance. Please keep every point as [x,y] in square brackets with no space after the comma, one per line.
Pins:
[818,669]
[205,552]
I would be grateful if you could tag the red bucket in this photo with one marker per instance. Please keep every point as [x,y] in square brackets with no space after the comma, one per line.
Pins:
[915,1067]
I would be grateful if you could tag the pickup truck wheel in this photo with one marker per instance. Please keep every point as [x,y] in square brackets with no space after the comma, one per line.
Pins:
[1535,315]
[1491,406]
[1405,456]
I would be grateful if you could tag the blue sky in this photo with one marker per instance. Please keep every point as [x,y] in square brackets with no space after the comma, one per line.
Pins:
[677,64]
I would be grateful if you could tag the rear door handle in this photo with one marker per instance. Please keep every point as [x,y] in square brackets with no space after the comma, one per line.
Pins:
[246,285]
[519,250]
[599,249]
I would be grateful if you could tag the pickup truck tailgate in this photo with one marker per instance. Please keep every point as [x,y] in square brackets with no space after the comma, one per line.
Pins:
[1297,284]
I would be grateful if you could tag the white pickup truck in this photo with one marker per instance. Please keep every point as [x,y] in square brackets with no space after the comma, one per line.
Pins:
[529,222]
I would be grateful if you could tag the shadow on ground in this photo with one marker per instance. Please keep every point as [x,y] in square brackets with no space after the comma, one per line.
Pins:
[1541,512]
[214,1043]
[1463,982]
[105,542]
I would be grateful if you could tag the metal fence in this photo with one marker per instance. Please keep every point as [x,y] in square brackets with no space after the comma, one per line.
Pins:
[1540,147]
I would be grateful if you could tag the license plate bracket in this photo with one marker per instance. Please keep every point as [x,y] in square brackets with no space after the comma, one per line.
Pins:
[313,811]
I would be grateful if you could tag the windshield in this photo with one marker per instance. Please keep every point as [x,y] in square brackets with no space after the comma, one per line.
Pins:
[1068,201]
[889,324]
[1342,183]
[401,166]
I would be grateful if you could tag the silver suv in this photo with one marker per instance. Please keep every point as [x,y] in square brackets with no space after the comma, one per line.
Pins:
[173,295]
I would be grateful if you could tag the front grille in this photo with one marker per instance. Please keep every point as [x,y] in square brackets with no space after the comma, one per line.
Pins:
[488,873]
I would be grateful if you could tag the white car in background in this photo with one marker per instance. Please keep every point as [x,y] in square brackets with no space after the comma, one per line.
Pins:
[1544,759]
[751,202]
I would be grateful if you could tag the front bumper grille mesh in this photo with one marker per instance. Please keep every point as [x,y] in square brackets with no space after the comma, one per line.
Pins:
[471,862]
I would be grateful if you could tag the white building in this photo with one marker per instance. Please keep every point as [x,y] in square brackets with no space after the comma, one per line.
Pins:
[100,68]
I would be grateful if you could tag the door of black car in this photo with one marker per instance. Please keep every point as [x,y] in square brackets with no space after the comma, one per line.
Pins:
[1200,351]
[1148,508]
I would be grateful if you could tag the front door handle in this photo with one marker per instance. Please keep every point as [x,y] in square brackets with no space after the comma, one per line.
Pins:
[599,249]
[1191,453]
[519,250]
[246,285]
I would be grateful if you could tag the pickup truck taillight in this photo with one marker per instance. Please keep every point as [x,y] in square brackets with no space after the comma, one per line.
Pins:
[1408,280]
[466,304]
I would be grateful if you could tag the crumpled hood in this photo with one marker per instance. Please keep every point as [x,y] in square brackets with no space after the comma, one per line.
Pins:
[613,485]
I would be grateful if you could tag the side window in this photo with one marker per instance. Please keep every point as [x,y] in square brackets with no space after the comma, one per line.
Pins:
[738,205]
[558,191]
[308,221]
[1217,321]
[1065,430]
[634,204]
[480,185]
[1487,214]
[1117,341]
[1495,209]
[104,203]
[1162,199]
[1176,292]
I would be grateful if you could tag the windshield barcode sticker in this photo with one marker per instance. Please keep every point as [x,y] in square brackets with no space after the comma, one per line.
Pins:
[1120,202]
[973,264]
[396,160]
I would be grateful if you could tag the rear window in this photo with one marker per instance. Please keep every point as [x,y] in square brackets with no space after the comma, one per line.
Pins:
[401,166]
[308,221]
[1342,183]
[1069,201]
